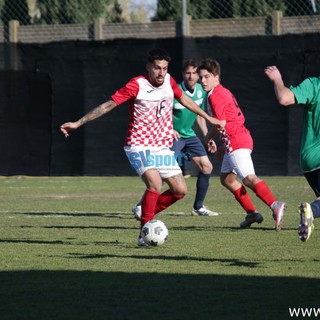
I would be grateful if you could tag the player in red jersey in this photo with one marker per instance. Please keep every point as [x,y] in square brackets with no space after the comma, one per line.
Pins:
[238,145]
[150,132]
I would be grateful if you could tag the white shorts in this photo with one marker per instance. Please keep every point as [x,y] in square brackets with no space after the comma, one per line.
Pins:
[239,162]
[161,159]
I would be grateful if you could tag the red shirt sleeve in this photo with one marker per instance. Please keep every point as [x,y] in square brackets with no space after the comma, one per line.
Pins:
[129,91]
[177,92]
[218,105]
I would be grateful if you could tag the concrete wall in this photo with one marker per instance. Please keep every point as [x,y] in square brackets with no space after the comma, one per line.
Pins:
[275,24]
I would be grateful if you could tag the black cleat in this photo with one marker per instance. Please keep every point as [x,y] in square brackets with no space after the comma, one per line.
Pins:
[250,219]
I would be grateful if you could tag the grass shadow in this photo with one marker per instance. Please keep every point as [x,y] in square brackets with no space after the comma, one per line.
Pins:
[90,295]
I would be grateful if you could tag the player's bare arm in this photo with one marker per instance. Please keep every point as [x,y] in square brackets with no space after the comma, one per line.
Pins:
[284,95]
[202,125]
[210,135]
[209,138]
[90,116]
[192,106]
[214,131]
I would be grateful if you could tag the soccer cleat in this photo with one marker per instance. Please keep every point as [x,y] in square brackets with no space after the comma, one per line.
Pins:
[204,211]
[250,219]
[278,208]
[306,221]
[141,243]
[136,210]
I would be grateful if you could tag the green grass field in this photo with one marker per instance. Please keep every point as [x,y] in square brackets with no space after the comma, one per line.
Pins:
[68,251]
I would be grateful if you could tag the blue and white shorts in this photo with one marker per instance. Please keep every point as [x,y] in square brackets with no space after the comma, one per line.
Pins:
[162,159]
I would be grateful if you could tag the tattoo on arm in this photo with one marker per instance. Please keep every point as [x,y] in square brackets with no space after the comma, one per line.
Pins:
[97,112]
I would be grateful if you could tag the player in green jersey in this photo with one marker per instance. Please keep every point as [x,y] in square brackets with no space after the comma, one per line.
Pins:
[186,144]
[306,94]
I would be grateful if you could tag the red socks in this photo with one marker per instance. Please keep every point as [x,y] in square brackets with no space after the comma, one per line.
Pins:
[148,205]
[262,191]
[166,199]
[153,202]
[243,198]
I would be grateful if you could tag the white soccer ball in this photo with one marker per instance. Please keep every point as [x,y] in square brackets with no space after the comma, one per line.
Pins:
[155,233]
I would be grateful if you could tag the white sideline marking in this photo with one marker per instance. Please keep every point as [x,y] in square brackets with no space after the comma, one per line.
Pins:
[68,214]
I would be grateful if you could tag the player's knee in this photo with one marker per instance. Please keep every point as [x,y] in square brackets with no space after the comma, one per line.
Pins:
[206,168]
[251,180]
[204,165]
[181,192]
[224,181]
[155,187]
[179,196]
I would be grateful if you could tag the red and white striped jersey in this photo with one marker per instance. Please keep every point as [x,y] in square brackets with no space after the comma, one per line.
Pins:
[150,121]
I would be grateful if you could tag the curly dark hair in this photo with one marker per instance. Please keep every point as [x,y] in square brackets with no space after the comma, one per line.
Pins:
[158,54]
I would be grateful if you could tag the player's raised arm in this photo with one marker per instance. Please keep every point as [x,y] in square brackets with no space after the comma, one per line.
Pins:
[284,95]
[91,115]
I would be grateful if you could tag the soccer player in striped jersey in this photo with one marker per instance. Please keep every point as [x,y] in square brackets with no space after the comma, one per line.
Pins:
[186,144]
[238,143]
[150,132]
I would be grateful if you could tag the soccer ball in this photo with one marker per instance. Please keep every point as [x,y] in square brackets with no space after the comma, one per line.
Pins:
[154,233]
